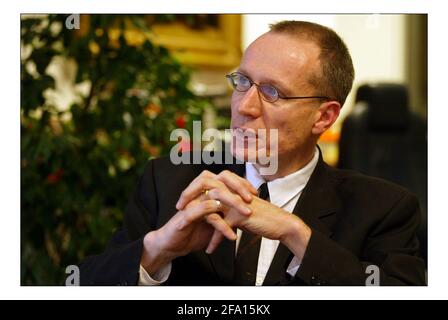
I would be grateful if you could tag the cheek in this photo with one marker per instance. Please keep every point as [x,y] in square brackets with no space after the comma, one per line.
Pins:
[235,115]
[293,131]
[289,136]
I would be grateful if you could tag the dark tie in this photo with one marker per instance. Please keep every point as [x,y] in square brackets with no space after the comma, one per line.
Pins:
[248,251]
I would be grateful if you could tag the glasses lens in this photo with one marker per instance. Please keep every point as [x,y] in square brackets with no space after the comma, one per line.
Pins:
[269,93]
[241,82]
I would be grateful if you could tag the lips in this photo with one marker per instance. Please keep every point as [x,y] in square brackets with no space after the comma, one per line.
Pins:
[248,138]
[246,133]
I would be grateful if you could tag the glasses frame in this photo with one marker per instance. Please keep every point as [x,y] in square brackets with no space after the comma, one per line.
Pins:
[230,78]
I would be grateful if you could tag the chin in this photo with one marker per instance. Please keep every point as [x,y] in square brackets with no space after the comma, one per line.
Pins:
[241,154]
[249,155]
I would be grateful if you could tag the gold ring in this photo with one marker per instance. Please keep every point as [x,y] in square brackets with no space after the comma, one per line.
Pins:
[206,192]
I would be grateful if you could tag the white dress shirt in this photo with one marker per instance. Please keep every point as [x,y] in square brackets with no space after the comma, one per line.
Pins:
[284,193]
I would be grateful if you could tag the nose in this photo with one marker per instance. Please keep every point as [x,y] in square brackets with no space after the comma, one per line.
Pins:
[250,102]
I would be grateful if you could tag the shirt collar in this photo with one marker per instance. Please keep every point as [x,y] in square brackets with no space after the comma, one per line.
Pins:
[282,190]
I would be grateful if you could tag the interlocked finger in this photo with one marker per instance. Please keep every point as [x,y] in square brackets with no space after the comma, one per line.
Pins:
[192,214]
[221,227]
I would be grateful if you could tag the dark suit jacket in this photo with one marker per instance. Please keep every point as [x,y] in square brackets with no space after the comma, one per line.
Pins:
[356,221]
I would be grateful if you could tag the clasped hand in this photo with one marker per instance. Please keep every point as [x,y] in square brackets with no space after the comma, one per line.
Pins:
[204,220]
[237,206]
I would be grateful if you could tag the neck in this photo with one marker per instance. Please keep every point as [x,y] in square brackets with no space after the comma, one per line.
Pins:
[291,164]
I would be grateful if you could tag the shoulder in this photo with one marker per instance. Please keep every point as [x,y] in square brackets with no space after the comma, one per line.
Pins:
[166,169]
[188,162]
[370,202]
[366,190]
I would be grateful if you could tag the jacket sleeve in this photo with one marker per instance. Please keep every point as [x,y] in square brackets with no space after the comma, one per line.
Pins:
[391,248]
[120,263]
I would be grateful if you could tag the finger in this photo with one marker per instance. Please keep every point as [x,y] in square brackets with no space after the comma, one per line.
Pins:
[214,242]
[229,176]
[192,214]
[196,188]
[231,200]
[205,174]
[220,225]
[237,184]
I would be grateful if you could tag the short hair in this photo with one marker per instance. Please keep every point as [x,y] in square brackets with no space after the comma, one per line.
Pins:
[337,72]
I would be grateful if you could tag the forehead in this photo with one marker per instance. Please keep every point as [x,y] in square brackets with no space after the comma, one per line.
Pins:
[276,56]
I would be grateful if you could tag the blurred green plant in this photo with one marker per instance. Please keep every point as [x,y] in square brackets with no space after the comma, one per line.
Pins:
[80,164]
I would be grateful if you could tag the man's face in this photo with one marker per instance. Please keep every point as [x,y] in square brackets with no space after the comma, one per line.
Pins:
[287,64]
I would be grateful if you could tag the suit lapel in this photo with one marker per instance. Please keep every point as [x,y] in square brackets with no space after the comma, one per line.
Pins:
[317,202]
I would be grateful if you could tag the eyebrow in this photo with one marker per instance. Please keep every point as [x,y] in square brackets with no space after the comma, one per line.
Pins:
[278,85]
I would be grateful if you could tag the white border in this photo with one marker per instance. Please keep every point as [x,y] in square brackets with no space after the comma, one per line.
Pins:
[10,155]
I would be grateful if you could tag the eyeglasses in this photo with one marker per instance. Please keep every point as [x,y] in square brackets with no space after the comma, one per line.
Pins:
[242,83]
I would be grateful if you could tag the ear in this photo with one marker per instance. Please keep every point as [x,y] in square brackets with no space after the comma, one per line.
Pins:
[326,115]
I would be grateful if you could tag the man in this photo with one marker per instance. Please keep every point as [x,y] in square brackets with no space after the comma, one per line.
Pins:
[305,224]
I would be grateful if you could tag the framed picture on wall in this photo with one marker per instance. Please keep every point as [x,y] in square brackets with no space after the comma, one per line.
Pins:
[199,40]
